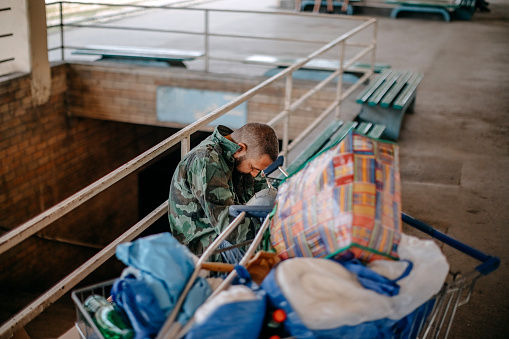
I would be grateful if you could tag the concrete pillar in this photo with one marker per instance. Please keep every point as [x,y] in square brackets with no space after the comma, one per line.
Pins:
[286,4]
[39,62]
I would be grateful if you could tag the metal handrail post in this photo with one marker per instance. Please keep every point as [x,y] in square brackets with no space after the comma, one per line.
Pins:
[288,102]
[339,91]
[373,55]
[185,146]
[62,32]
[207,38]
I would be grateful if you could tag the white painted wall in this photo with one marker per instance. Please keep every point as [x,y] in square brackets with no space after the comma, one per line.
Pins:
[14,40]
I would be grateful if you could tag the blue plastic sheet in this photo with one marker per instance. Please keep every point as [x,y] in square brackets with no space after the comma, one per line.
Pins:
[195,298]
[163,257]
[157,286]
[234,320]
[163,267]
[243,319]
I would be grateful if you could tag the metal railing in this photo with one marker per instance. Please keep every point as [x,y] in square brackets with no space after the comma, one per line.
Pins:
[206,33]
[29,228]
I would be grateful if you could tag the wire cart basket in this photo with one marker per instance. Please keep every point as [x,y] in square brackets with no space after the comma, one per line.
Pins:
[434,319]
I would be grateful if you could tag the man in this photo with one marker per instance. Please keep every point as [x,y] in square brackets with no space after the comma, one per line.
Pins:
[222,170]
[316,7]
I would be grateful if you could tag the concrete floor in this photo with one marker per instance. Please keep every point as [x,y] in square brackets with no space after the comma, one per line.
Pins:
[455,146]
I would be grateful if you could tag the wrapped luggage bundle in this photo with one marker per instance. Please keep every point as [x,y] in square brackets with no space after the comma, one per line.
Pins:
[346,200]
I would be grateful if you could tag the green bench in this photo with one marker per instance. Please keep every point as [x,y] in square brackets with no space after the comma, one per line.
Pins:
[173,57]
[387,98]
[462,10]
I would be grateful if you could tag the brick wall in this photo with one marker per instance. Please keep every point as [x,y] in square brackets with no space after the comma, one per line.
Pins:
[45,157]
[123,93]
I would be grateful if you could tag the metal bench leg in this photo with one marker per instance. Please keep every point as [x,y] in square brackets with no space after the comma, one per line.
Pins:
[411,107]
[425,9]
[391,118]
[176,63]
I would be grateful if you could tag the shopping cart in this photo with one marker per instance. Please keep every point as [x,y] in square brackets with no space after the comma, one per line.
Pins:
[434,319]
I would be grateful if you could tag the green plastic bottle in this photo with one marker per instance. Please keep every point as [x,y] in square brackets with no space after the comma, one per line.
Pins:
[107,319]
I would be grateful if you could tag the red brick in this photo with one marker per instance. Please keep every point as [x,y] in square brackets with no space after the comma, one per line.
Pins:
[49,156]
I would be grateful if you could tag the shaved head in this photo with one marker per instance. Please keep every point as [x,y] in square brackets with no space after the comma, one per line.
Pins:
[260,139]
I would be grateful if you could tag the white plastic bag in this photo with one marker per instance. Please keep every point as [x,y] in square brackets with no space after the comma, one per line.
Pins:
[325,295]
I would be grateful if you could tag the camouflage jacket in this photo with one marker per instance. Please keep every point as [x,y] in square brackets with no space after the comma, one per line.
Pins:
[202,190]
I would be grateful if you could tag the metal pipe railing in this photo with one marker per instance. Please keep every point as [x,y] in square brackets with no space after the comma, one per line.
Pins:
[39,222]
[351,18]
[183,137]
[340,98]
[206,32]
[63,286]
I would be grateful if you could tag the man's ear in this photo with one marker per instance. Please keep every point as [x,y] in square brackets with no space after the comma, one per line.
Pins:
[242,150]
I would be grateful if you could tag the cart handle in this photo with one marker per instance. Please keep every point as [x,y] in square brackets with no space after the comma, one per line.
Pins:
[489,263]
[251,211]
[275,165]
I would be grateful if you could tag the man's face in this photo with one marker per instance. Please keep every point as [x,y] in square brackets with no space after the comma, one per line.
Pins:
[252,166]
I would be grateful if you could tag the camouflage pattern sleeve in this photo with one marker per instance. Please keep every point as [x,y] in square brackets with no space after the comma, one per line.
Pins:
[209,184]
[213,189]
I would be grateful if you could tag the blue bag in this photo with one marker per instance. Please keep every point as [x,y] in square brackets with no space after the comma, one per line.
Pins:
[196,296]
[164,258]
[164,267]
[242,319]
[141,306]
[374,281]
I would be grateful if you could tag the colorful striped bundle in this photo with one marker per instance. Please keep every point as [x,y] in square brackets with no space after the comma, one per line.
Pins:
[345,200]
